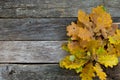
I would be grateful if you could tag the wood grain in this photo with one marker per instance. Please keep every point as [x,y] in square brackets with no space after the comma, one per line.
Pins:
[113,6]
[45,8]
[34,29]
[37,38]
[31,51]
[53,8]
[45,72]
[47,29]
[36,72]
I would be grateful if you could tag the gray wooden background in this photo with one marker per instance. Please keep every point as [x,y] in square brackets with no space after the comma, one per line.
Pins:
[31,34]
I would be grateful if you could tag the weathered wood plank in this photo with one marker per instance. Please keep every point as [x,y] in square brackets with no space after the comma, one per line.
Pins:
[45,72]
[45,8]
[53,8]
[36,29]
[36,72]
[113,6]
[31,51]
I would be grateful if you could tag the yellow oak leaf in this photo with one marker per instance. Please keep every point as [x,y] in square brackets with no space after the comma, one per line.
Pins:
[113,49]
[108,60]
[99,71]
[87,72]
[117,47]
[73,31]
[78,70]
[115,39]
[65,47]
[112,30]
[98,10]
[74,47]
[72,64]
[84,34]
[100,50]
[94,44]
[83,44]
[94,41]
[83,17]
[101,18]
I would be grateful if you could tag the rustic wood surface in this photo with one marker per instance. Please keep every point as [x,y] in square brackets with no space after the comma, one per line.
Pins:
[47,29]
[31,34]
[45,8]
[44,72]
[113,6]
[36,72]
[34,29]
[31,51]
[37,52]
[53,8]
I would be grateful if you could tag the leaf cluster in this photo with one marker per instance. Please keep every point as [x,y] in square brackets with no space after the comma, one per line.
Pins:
[94,41]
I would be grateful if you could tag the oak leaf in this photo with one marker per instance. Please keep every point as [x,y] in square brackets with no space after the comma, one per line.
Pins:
[87,72]
[73,31]
[108,60]
[65,47]
[100,50]
[78,70]
[84,20]
[75,49]
[94,44]
[99,71]
[117,50]
[72,64]
[116,38]
[101,18]
[94,41]
[84,34]
[83,17]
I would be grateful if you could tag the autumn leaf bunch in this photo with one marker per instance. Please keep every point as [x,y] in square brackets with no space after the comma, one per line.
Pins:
[94,42]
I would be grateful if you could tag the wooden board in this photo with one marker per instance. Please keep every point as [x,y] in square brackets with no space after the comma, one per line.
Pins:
[47,29]
[53,8]
[113,6]
[34,29]
[31,35]
[45,8]
[31,51]
[45,72]
[36,72]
